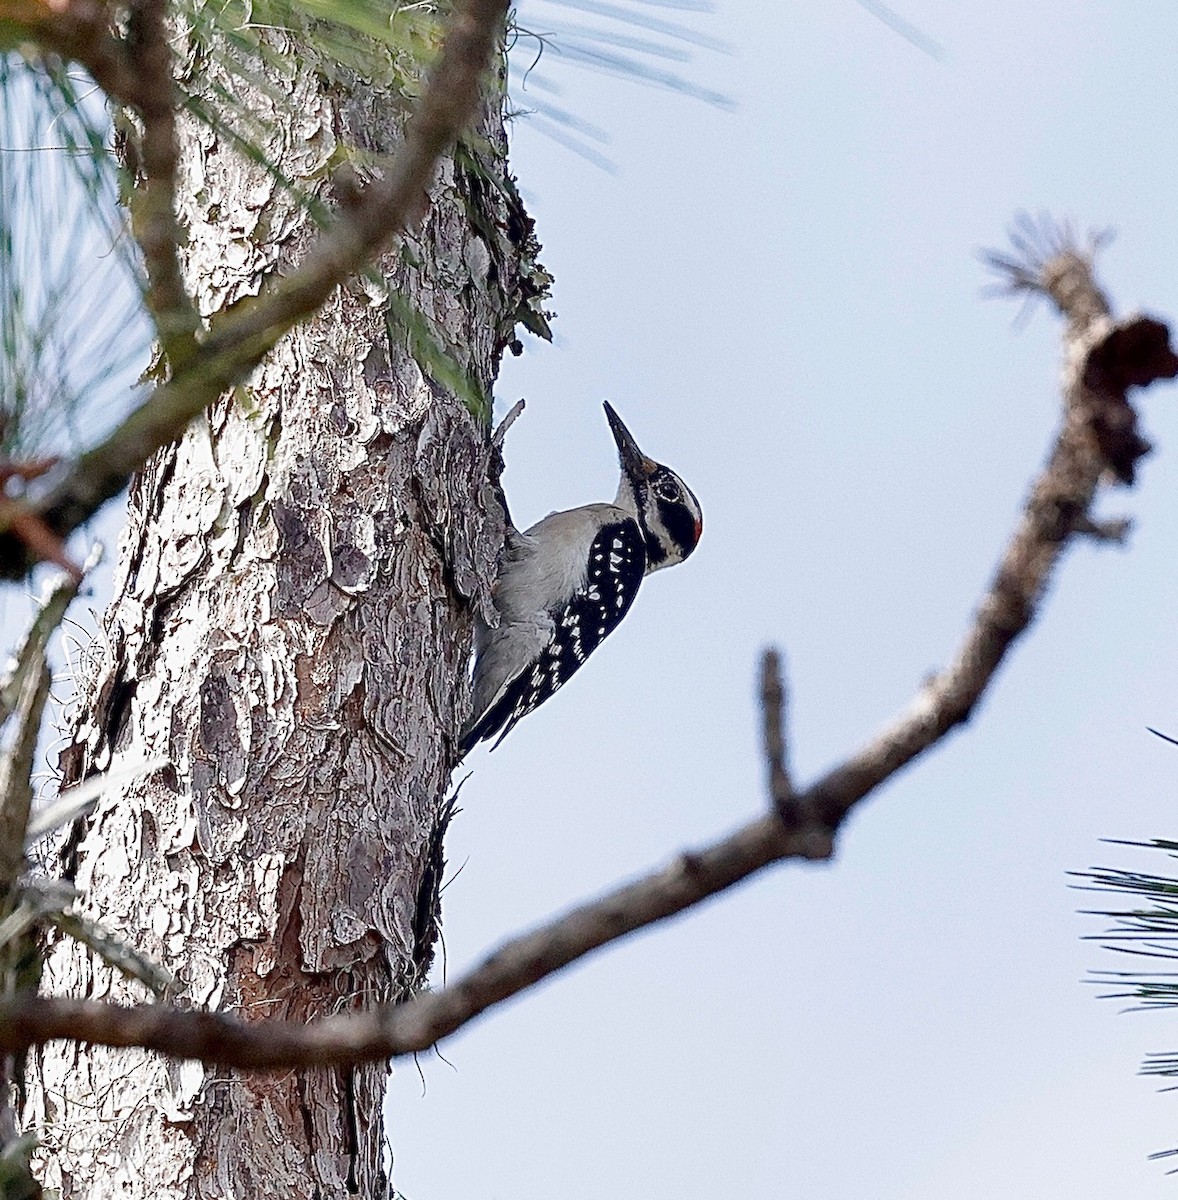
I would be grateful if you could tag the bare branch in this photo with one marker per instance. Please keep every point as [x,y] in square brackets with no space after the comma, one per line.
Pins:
[773,711]
[1103,358]
[419,1023]
[16,768]
[1134,351]
[1097,441]
[58,598]
[153,205]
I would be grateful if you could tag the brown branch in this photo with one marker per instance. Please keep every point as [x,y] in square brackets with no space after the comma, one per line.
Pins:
[1103,357]
[243,335]
[781,790]
[419,1023]
[16,768]
[1058,508]
[153,204]
[79,30]
[135,71]
[40,542]
[58,597]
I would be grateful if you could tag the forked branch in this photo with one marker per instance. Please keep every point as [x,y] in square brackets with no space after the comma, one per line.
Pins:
[1098,441]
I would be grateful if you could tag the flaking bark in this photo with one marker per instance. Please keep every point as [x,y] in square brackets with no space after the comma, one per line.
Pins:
[290,630]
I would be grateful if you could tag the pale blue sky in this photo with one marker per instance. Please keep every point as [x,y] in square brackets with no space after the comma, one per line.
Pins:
[785,305]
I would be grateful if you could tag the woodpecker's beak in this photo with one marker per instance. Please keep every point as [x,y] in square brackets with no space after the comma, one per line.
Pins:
[634,462]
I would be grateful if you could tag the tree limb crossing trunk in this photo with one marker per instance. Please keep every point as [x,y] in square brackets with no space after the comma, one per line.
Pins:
[290,630]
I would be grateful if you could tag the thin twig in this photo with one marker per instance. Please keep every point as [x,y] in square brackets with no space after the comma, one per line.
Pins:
[153,203]
[1112,531]
[773,716]
[135,70]
[513,414]
[16,768]
[115,951]
[59,596]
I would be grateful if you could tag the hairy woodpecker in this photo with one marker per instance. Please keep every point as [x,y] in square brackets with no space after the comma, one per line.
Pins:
[566,583]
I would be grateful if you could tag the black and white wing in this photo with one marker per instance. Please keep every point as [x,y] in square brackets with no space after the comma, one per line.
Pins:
[617,563]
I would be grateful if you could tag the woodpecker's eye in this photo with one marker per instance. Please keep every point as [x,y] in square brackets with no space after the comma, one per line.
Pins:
[667,489]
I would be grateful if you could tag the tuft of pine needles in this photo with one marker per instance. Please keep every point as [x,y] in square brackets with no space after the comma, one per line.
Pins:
[72,341]
[75,338]
[1146,928]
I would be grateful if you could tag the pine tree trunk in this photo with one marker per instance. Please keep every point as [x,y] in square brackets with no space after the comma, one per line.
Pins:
[290,631]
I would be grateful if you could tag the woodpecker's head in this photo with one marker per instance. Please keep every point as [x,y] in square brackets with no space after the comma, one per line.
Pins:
[665,507]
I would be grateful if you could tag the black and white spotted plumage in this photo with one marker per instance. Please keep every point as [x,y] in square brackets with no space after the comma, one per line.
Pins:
[566,583]
[617,562]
